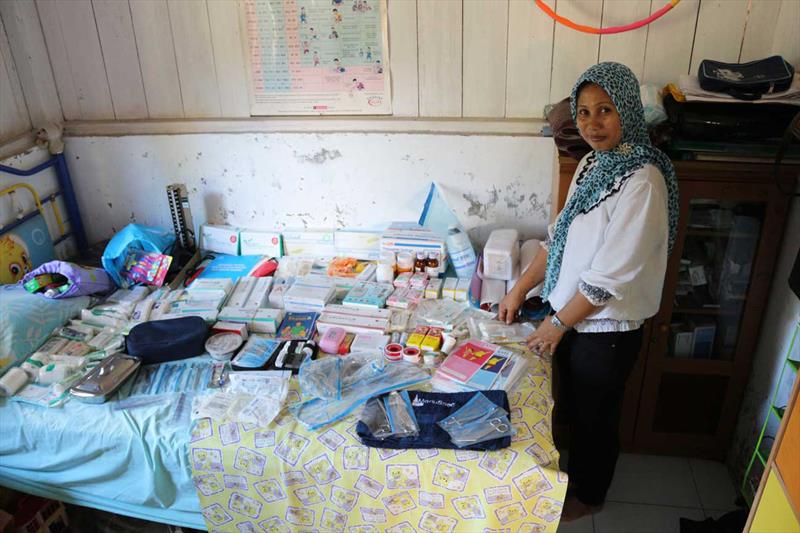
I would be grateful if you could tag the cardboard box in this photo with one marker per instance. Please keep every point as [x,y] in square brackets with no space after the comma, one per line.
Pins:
[241,292]
[237,314]
[210,288]
[259,296]
[358,243]
[434,289]
[411,237]
[462,290]
[255,242]
[220,239]
[266,320]
[449,288]
[352,323]
[358,311]
[309,243]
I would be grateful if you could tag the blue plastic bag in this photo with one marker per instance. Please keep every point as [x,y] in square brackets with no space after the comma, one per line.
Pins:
[134,236]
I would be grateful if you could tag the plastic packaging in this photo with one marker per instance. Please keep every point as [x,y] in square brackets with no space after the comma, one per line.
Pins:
[405,262]
[400,415]
[461,253]
[328,377]
[440,313]
[476,421]
[501,254]
[318,412]
[495,331]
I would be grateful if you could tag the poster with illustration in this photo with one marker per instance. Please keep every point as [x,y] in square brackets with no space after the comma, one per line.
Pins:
[317,57]
[24,248]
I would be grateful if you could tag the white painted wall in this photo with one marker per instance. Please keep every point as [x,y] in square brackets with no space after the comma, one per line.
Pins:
[313,180]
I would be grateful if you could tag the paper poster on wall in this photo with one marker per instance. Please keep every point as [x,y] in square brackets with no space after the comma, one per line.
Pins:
[318,57]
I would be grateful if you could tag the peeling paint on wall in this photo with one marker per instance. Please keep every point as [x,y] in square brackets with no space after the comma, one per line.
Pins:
[284,180]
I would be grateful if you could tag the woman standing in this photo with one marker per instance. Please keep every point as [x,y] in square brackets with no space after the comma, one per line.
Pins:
[603,268]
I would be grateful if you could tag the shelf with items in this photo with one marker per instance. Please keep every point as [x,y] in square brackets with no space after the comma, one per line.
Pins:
[775,414]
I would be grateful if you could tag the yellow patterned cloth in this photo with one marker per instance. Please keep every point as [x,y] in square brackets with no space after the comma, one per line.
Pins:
[287,478]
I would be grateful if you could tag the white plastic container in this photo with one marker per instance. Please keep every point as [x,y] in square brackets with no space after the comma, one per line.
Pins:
[461,253]
[501,254]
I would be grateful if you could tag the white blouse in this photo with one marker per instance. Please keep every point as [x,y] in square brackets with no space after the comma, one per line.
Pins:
[616,253]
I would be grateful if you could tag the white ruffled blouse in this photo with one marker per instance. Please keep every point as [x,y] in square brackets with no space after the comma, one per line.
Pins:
[616,253]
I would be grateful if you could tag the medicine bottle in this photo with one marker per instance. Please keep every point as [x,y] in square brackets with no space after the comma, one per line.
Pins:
[432,264]
[420,263]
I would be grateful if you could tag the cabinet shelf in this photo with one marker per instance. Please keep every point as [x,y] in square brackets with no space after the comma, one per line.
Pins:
[697,232]
[705,311]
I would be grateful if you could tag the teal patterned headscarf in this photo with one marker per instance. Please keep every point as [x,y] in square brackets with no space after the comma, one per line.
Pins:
[633,152]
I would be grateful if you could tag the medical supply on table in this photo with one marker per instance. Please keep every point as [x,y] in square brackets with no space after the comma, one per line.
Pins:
[405,263]
[100,383]
[277,294]
[330,341]
[495,331]
[219,375]
[429,408]
[265,320]
[501,254]
[433,340]
[76,332]
[259,296]
[108,315]
[411,354]
[449,288]
[416,338]
[432,267]
[390,415]
[368,294]
[241,292]
[353,319]
[32,364]
[209,288]
[222,345]
[403,280]
[369,343]
[419,281]
[374,380]
[461,252]
[448,343]
[433,290]
[230,327]
[309,294]
[293,354]
[273,383]
[129,296]
[297,326]
[445,314]
[190,375]
[393,352]
[141,313]
[12,381]
[75,348]
[477,421]
[461,293]
[222,239]
[431,359]
[421,262]
[256,353]
[403,298]
[344,348]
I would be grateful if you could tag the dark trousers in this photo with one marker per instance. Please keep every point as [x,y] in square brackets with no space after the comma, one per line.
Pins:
[593,370]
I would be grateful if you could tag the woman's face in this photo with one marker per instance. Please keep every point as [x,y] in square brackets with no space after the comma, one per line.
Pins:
[598,119]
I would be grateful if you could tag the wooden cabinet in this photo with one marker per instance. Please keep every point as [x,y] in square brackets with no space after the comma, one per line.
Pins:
[684,394]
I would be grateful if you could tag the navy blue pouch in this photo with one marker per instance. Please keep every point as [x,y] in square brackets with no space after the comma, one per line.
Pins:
[430,408]
[160,341]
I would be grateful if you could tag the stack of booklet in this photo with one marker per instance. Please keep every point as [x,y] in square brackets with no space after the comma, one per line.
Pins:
[478,365]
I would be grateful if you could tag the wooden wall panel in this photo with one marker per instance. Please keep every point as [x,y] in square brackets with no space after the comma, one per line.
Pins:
[574,52]
[628,47]
[439,45]
[138,59]
[720,27]
[120,57]
[14,118]
[402,18]
[485,39]
[157,58]
[530,59]
[229,58]
[71,26]
[195,57]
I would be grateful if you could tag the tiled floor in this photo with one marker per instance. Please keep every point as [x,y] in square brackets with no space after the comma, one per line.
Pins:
[650,493]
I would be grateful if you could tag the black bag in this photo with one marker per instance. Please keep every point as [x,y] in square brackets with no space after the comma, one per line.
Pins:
[746,81]
[160,341]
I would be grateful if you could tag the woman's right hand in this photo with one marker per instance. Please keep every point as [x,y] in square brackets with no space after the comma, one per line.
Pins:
[509,306]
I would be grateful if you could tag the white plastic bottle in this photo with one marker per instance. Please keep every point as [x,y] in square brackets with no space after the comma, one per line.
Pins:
[461,253]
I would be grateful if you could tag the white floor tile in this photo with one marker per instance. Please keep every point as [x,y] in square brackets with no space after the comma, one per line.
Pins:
[655,480]
[584,525]
[714,484]
[635,518]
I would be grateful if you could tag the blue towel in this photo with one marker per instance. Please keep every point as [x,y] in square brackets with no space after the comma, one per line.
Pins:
[429,408]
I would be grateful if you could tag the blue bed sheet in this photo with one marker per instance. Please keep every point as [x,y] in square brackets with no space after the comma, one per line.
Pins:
[26,320]
[131,462]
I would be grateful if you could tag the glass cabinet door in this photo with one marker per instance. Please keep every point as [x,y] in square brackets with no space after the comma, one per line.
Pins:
[714,276]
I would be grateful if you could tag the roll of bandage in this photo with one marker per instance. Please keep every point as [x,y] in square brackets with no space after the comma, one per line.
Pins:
[411,354]
[13,381]
[393,352]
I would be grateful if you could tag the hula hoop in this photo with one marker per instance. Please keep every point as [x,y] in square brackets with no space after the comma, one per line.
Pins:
[604,31]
